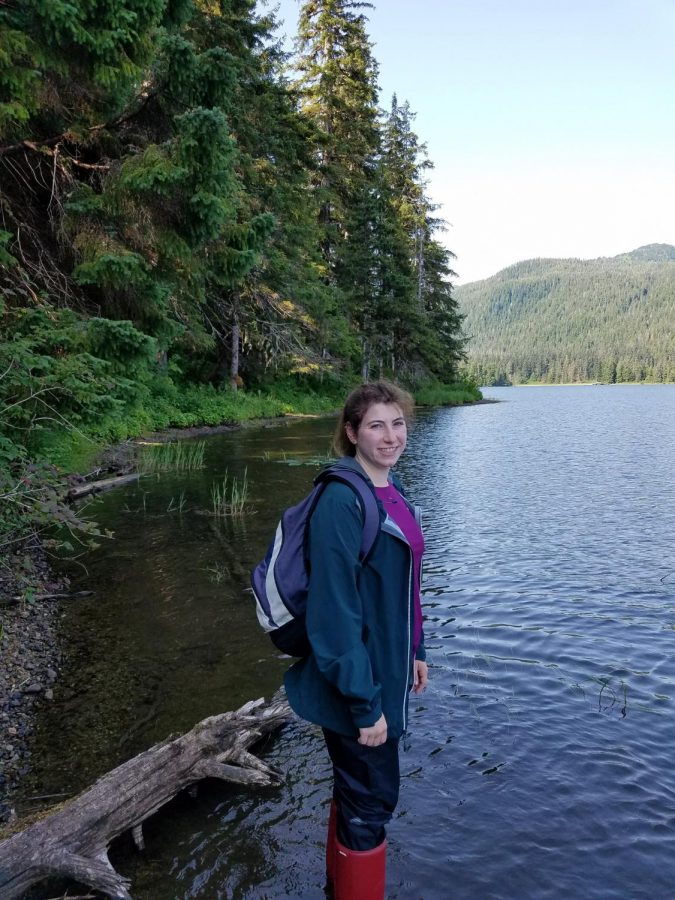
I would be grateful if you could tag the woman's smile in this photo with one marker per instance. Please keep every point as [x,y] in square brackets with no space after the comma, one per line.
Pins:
[380,440]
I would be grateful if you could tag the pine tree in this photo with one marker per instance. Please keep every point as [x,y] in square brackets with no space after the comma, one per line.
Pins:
[405,164]
[338,88]
[273,316]
[431,329]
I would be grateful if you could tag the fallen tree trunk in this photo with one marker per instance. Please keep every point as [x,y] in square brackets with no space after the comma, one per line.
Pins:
[73,842]
[19,598]
[96,487]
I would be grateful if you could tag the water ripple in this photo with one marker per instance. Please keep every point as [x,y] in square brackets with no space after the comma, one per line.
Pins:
[539,762]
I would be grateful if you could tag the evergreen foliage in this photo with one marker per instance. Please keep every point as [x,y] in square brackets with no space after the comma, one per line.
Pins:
[177,219]
[567,320]
[377,230]
[429,321]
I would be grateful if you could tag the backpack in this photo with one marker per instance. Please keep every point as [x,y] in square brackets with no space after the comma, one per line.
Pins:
[280,581]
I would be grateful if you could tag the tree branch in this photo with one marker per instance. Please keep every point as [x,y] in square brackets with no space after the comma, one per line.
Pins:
[69,137]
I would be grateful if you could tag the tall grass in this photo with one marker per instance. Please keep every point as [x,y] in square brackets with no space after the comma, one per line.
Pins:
[229,496]
[178,456]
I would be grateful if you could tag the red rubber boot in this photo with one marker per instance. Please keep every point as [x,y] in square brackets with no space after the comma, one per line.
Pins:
[360,874]
[330,844]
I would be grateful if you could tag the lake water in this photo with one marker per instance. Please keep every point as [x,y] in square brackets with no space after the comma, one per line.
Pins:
[539,763]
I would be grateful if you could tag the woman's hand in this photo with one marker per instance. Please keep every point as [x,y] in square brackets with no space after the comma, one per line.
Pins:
[375,735]
[421,676]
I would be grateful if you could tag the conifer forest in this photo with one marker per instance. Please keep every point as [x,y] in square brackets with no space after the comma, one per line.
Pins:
[189,215]
[569,320]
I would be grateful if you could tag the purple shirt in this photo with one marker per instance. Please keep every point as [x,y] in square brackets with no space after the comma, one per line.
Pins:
[397,509]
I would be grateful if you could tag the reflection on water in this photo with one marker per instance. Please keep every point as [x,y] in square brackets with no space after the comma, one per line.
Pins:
[539,762]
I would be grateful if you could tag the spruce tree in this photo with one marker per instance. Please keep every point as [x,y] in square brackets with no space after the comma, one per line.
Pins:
[269,319]
[338,87]
[430,326]
[338,94]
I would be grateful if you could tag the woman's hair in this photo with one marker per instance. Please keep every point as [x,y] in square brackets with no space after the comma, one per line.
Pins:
[357,405]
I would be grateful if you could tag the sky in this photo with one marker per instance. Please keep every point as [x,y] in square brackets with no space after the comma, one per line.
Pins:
[551,125]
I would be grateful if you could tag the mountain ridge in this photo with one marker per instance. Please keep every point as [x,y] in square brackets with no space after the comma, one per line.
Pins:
[645,253]
[567,319]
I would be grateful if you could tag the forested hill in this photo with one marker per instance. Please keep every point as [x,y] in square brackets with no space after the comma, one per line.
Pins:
[561,320]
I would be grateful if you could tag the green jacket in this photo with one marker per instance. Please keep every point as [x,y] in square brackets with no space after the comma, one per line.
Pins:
[359,620]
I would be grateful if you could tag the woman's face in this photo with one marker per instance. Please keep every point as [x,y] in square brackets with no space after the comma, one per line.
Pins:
[381,437]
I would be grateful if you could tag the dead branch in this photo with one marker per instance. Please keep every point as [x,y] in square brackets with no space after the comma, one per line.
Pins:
[68,136]
[73,842]
[97,487]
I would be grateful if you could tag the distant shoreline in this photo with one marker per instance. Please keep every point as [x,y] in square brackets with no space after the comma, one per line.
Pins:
[581,384]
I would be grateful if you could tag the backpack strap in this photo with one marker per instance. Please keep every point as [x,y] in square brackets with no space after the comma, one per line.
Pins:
[371,512]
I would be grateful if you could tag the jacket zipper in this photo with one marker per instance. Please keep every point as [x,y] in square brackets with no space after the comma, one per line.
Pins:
[401,537]
[407,675]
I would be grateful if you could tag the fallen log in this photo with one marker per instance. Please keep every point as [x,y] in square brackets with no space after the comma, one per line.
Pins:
[73,842]
[19,598]
[96,487]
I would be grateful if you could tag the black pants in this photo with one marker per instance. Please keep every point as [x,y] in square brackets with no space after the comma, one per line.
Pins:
[366,784]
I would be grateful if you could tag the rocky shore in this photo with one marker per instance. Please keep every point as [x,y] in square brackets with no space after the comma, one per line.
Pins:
[29,663]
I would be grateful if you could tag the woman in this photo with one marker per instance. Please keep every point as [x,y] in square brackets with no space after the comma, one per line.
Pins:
[364,625]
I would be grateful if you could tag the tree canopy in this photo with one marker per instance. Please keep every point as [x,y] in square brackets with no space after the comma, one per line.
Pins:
[184,208]
[160,169]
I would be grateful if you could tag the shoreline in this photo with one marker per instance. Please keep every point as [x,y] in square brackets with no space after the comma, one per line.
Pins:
[30,653]
[31,657]
[580,384]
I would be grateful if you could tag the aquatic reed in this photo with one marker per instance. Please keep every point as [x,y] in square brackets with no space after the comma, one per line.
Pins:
[177,505]
[178,456]
[229,496]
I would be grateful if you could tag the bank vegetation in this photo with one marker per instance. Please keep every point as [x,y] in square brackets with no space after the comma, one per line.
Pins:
[196,229]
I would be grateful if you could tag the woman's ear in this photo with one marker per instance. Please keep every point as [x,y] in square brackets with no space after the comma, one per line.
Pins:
[351,434]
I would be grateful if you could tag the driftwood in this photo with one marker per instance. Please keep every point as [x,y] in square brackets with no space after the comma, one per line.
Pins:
[96,487]
[73,842]
[19,598]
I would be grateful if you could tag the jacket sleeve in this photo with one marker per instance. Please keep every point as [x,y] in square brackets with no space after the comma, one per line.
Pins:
[334,607]
[421,652]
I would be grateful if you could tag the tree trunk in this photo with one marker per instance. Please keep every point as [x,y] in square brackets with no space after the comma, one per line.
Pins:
[420,268]
[365,361]
[73,842]
[234,356]
[96,487]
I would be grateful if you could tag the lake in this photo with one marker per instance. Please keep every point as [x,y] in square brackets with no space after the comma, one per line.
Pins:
[538,764]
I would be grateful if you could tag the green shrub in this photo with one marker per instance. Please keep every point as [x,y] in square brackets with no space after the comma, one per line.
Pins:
[437,394]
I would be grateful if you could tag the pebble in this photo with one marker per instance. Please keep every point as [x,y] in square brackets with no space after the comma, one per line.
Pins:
[29,658]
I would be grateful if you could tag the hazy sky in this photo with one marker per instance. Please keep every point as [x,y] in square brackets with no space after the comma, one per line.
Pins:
[551,125]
